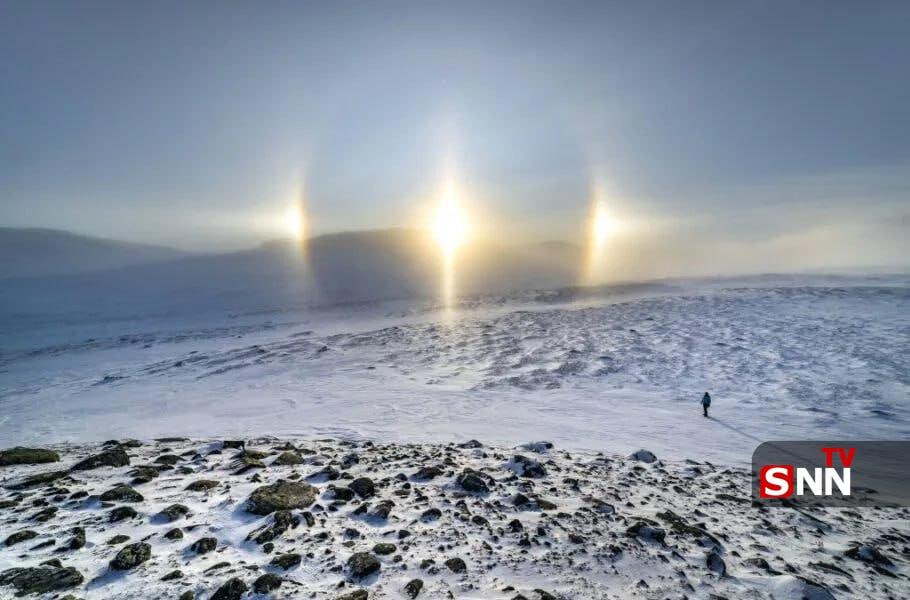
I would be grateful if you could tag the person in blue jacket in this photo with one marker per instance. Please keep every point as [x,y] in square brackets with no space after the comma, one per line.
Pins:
[706,402]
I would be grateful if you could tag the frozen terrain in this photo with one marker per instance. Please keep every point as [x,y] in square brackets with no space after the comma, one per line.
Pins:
[808,358]
[324,397]
[180,518]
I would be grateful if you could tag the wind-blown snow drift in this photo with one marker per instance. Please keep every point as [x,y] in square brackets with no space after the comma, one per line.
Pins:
[797,362]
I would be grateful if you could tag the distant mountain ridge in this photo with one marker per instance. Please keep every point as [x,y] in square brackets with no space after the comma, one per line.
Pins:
[108,277]
[36,252]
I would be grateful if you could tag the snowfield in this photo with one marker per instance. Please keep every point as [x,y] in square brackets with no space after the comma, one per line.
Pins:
[597,372]
[395,392]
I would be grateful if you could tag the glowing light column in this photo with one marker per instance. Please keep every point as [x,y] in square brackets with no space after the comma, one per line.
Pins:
[296,223]
[602,228]
[450,229]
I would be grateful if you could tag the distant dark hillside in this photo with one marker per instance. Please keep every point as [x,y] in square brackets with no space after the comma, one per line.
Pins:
[41,252]
[337,268]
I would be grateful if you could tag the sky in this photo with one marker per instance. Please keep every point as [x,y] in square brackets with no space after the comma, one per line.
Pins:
[761,130]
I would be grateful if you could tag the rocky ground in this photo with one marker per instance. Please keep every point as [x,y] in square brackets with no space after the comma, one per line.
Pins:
[292,518]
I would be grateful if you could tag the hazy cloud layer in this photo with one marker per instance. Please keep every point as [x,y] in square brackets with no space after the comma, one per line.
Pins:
[728,137]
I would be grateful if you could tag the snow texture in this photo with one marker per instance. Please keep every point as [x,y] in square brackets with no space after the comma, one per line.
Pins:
[587,525]
[607,372]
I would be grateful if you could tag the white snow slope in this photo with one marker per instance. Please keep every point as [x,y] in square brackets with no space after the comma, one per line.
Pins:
[815,360]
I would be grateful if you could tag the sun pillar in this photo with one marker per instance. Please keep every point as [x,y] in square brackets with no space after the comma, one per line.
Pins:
[602,227]
[449,231]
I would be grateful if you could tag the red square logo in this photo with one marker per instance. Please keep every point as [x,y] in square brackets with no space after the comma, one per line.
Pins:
[775,481]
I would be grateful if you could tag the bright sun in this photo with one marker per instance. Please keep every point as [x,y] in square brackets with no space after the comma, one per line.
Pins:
[450,227]
[603,225]
[295,221]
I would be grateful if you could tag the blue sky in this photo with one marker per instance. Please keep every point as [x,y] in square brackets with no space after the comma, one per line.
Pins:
[196,124]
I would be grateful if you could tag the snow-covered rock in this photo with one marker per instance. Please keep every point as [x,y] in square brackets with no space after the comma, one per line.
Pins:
[592,526]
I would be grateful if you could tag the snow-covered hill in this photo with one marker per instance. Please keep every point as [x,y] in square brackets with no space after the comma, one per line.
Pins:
[102,280]
[30,253]
[823,359]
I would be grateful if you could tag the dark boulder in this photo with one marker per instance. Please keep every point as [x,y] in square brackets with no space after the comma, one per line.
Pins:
[204,545]
[20,536]
[173,513]
[382,509]
[646,531]
[472,481]
[232,589]
[144,474]
[117,540]
[266,583]
[527,467]
[431,514]
[201,485]
[41,580]
[427,473]
[286,561]
[363,487]
[456,565]
[121,493]
[122,513]
[38,480]
[413,587]
[115,457]
[27,456]
[77,540]
[131,556]
[282,520]
[287,459]
[46,514]
[645,456]
[342,494]
[281,495]
[362,564]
